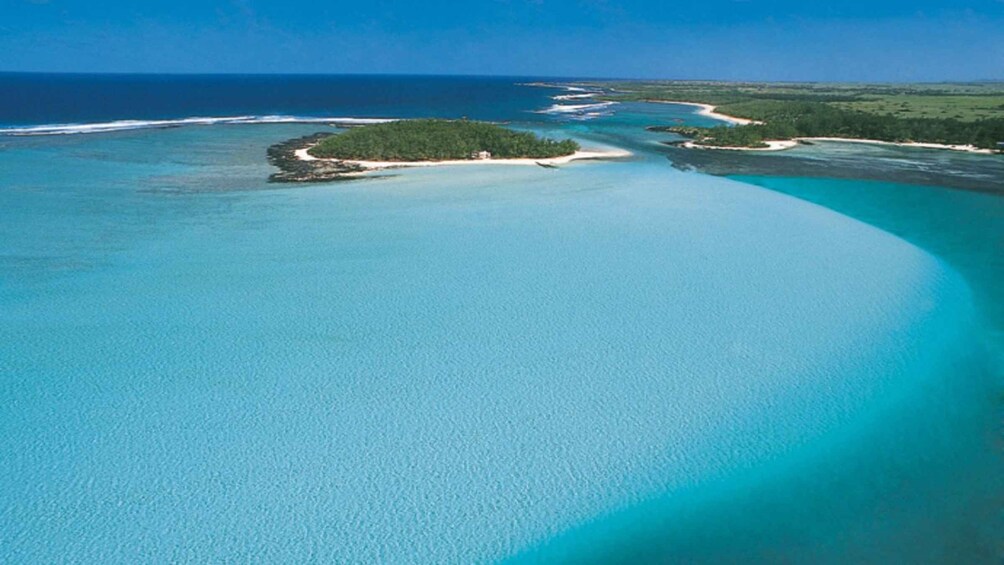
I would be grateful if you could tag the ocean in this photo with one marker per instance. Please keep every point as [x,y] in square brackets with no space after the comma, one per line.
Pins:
[623,361]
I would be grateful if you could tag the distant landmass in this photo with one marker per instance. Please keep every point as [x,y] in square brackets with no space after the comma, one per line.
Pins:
[957,116]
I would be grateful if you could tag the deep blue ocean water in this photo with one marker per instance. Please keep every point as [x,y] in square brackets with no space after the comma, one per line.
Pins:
[33,99]
[607,362]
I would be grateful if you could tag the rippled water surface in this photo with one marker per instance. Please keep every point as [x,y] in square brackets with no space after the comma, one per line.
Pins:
[608,361]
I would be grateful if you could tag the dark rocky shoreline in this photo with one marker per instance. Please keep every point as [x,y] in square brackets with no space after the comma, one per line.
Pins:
[293,169]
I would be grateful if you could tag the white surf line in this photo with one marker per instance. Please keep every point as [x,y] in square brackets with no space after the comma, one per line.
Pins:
[125,125]
[575,108]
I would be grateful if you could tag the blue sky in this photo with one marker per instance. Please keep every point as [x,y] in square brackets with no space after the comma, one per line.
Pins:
[725,39]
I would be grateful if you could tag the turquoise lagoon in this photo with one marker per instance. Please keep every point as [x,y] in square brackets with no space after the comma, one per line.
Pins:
[609,362]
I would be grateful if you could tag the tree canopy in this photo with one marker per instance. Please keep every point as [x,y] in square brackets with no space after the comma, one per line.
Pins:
[437,140]
[787,120]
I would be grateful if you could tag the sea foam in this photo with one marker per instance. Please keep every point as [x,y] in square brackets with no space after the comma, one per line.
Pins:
[123,125]
[580,111]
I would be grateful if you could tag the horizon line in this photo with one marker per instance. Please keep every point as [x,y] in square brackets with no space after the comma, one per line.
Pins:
[500,76]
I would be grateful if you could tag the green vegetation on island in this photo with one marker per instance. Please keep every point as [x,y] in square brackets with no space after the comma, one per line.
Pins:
[951,114]
[438,140]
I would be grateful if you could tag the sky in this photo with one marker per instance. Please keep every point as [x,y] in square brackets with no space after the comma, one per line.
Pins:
[854,40]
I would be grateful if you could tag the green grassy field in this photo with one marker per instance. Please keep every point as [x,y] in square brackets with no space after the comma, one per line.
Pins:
[964,108]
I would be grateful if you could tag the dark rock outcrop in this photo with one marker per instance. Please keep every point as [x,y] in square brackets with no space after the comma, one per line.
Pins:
[293,169]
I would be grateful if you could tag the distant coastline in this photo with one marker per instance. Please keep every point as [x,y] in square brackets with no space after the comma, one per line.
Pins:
[958,117]
[708,110]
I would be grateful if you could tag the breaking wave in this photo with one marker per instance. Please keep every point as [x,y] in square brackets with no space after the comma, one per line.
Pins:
[580,111]
[123,125]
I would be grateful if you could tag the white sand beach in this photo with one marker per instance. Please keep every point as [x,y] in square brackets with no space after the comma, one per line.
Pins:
[771,146]
[581,155]
[965,148]
[781,145]
[709,111]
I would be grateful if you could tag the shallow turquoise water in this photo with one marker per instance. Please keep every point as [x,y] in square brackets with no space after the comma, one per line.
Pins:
[611,360]
[964,228]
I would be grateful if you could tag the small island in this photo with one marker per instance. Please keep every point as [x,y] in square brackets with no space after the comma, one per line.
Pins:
[326,157]
[438,140]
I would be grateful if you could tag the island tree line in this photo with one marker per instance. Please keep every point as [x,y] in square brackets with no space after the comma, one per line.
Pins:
[438,140]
